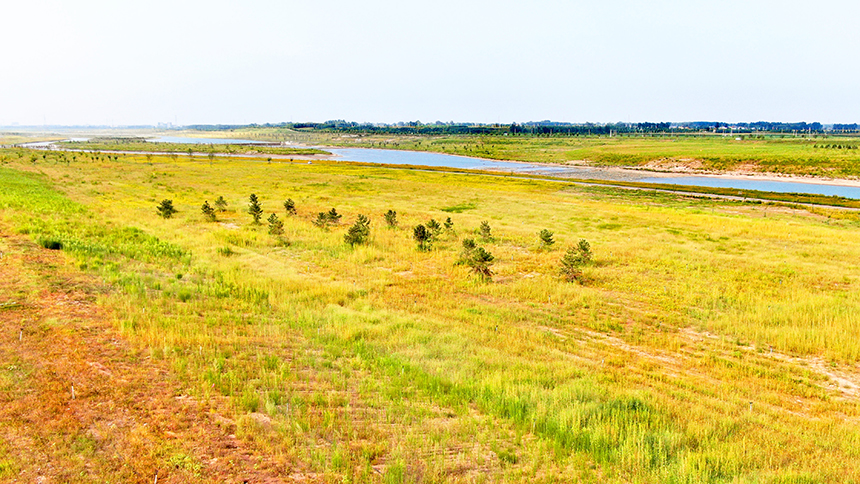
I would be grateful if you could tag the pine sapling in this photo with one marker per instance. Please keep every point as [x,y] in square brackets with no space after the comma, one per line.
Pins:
[208,211]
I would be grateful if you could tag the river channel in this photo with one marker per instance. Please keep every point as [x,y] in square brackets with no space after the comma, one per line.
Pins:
[845,189]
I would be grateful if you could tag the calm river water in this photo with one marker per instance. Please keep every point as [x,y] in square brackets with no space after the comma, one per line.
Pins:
[397,157]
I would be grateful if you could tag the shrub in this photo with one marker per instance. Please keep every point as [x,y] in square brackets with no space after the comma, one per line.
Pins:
[573,261]
[321,221]
[422,236]
[391,219]
[480,262]
[333,217]
[484,231]
[469,246]
[276,226]
[359,232]
[165,208]
[208,211]
[50,243]
[254,209]
[435,227]
[220,204]
[290,206]
[449,225]
[545,237]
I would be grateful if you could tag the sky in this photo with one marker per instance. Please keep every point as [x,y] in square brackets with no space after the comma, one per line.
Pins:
[88,62]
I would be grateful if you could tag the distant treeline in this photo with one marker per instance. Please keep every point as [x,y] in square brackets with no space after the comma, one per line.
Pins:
[546,127]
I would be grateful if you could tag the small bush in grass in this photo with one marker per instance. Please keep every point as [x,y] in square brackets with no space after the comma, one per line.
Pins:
[208,211]
[359,232]
[546,240]
[434,227]
[220,204]
[574,260]
[165,208]
[324,219]
[423,236]
[449,225]
[321,221]
[480,262]
[254,209]
[485,232]
[276,226]
[391,219]
[290,206]
[50,243]
[469,247]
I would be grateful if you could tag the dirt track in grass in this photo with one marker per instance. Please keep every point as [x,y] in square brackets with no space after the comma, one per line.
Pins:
[78,403]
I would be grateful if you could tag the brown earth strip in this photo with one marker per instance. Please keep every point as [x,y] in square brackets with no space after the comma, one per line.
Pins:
[79,403]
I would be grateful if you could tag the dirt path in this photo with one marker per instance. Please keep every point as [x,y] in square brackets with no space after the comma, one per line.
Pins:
[79,403]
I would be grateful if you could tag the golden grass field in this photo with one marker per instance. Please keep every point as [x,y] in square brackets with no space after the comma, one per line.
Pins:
[711,341]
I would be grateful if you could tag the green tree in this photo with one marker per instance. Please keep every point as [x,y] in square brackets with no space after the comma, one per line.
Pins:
[480,262]
[290,206]
[208,211]
[276,226]
[254,209]
[220,204]
[359,232]
[449,225]
[165,208]
[333,217]
[485,232]
[322,220]
[546,240]
[391,219]
[574,260]
[469,247]
[435,227]
[422,236]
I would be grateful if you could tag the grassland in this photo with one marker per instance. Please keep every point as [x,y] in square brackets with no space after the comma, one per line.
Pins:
[712,341]
[130,144]
[836,157]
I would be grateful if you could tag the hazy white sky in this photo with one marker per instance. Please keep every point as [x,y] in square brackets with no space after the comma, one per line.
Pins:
[257,61]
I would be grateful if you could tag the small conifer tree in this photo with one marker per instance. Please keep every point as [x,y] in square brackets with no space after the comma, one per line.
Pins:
[391,219]
[573,261]
[546,240]
[422,236]
[484,231]
[254,209]
[165,209]
[208,211]
[333,217]
[359,232]
[290,206]
[435,227]
[321,221]
[276,226]
[480,262]
[220,204]
[469,246]
[449,225]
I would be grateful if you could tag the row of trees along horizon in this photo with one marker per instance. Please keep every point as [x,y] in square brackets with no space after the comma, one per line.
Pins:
[546,127]
[477,258]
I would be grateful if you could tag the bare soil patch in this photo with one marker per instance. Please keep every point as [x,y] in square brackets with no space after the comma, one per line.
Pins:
[78,402]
